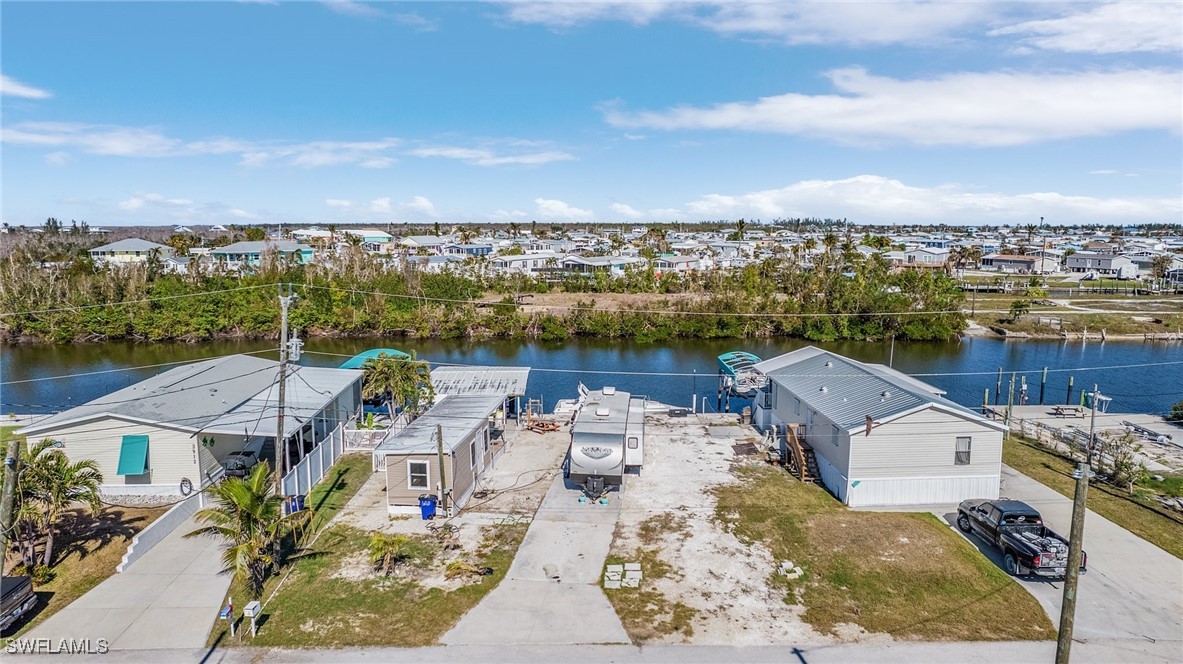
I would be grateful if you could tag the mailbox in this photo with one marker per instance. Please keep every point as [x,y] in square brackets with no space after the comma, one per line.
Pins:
[251,609]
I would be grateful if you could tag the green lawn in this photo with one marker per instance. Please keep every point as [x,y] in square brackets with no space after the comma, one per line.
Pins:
[1136,514]
[904,574]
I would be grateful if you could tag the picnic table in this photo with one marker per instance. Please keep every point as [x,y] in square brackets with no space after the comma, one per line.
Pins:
[1068,411]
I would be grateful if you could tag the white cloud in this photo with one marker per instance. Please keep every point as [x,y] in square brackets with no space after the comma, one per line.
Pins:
[635,137]
[338,203]
[1103,171]
[485,157]
[132,203]
[862,23]
[1119,27]
[421,204]
[555,209]
[980,109]
[508,214]
[242,214]
[876,199]
[414,20]
[351,8]
[626,210]
[122,141]
[10,87]
[380,205]
[57,158]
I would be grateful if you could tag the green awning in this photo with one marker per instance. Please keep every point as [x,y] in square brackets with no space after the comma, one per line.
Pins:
[133,456]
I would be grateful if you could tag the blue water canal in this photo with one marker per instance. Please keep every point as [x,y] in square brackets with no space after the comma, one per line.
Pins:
[670,372]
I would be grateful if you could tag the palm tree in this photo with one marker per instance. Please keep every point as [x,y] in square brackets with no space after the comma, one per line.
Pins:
[247,516]
[53,484]
[405,381]
[387,551]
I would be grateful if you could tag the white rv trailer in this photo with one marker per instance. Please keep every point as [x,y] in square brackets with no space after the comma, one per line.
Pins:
[607,439]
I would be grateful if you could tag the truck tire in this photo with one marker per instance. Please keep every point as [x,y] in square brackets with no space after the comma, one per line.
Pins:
[963,522]
[1013,566]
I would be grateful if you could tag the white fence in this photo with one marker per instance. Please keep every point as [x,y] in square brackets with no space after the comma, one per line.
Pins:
[368,439]
[159,529]
[313,468]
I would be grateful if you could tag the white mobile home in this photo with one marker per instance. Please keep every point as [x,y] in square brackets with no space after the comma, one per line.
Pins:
[167,435]
[879,436]
[607,439]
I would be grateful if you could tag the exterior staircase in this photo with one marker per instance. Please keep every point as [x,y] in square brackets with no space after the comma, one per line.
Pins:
[801,461]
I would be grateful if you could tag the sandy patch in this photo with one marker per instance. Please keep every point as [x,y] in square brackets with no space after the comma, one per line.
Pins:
[670,507]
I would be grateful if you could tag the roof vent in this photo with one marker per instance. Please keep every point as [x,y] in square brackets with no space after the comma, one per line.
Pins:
[824,389]
[602,411]
[885,395]
[829,364]
[609,390]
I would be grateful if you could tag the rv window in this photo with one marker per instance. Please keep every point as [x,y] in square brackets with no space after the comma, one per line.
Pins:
[633,443]
[417,475]
[961,456]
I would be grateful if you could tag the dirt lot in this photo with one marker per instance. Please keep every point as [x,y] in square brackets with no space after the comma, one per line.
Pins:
[710,588]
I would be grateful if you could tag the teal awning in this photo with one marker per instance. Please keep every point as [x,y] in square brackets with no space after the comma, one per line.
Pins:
[133,456]
[356,361]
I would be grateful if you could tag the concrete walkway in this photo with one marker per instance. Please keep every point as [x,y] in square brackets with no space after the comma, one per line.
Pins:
[529,609]
[169,598]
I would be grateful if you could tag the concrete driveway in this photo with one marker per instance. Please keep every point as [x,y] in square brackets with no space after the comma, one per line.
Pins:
[529,608]
[1132,595]
[169,598]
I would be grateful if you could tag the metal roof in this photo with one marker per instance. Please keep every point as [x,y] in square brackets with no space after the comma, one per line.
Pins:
[259,246]
[223,394]
[456,415]
[131,244]
[358,360]
[846,391]
[499,381]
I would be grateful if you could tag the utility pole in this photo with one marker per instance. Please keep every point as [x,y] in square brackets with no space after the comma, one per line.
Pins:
[439,437]
[1072,574]
[12,466]
[1092,428]
[1010,399]
[281,449]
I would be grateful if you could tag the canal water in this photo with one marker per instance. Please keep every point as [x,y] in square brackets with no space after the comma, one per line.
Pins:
[51,378]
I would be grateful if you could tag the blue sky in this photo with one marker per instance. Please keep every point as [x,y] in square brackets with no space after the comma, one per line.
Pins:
[305,112]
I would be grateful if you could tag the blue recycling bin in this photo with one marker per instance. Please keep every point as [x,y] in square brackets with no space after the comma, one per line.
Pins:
[427,506]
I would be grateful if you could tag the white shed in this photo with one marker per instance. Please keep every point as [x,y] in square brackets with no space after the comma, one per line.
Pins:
[879,436]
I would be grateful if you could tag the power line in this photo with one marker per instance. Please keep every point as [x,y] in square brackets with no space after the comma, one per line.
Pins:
[145,300]
[145,366]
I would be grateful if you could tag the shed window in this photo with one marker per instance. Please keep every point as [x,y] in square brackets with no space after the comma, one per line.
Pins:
[417,475]
[837,434]
[961,457]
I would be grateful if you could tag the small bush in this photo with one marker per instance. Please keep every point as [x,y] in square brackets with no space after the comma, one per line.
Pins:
[40,574]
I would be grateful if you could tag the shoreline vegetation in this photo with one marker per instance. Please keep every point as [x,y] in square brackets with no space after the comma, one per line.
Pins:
[358,296]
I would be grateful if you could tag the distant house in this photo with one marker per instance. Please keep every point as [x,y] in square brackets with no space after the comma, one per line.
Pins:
[925,257]
[167,435]
[1020,264]
[470,249]
[879,437]
[533,263]
[613,265]
[425,243]
[311,234]
[373,239]
[131,250]
[679,264]
[1106,264]
[250,253]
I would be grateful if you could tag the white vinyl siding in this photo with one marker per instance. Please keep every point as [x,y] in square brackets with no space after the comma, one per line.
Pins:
[922,444]
[172,455]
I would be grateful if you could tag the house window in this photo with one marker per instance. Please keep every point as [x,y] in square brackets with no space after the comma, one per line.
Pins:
[961,457]
[797,406]
[472,451]
[774,391]
[836,433]
[417,475]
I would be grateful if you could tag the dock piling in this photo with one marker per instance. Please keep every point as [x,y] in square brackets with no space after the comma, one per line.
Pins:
[1042,384]
[1068,398]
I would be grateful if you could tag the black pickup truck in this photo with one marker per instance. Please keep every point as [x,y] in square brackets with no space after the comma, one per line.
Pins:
[1016,528]
[16,599]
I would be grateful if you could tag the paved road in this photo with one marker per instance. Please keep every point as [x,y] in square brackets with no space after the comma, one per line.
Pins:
[529,608]
[1132,595]
[901,653]
[167,599]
